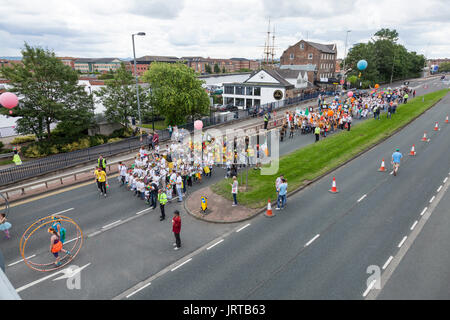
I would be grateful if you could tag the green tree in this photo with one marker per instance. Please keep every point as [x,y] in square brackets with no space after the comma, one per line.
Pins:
[216,68]
[223,70]
[49,93]
[176,92]
[208,69]
[444,67]
[119,97]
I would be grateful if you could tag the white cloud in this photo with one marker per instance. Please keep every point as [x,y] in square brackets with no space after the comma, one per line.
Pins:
[232,28]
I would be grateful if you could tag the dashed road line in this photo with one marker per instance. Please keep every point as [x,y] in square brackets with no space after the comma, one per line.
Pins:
[414,225]
[14,263]
[439,189]
[70,209]
[143,210]
[432,199]
[134,292]
[445,180]
[243,227]
[111,224]
[387,262]
[423,211]
[312,240]
[181,264]
[360,199]
[215,244]
[369,288]
[71,240]
[402,242]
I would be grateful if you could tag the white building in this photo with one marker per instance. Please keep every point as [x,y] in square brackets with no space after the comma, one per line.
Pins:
[263,86]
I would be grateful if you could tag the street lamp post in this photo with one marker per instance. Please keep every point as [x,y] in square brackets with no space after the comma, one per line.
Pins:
[137,84]
[345,55]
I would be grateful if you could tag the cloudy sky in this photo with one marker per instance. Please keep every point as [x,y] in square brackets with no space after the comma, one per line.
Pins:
[212,28]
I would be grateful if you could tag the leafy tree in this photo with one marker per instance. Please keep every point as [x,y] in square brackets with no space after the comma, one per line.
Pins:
[49,93]
[387,34]
[216,68]
[223,70]
[176,92]
[119,97]
[444,67]
[208,69]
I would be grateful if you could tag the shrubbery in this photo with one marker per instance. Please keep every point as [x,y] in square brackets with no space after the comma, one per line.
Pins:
[24,139]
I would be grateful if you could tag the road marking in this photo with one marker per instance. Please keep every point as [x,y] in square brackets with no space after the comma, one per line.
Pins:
[391,172]
[143,287]
[181,264]
[312,240]
[143,210]
[402,242]
[111,224]
[71,240]
[369,287]
[243,227]
[360,199]
[431,200]
[62,211]
[387,262]
[445,180]
[39,281]
[414,225]
[9,265]
[215,244]
[423,211]
[439,189]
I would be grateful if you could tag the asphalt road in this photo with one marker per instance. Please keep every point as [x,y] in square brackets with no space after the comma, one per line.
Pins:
[134,250]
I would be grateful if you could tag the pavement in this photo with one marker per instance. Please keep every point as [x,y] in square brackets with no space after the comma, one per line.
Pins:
[128,252]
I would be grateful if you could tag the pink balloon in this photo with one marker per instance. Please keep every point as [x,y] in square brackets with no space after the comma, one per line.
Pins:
[198,124]
[9,100]
[350,94]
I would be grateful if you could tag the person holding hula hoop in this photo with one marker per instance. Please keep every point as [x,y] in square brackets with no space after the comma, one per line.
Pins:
[59,229]
[56,245]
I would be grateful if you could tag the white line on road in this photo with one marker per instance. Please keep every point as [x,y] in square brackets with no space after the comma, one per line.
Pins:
[54,214]
[439,189]
[143,210]
[181,264]
[71,240]
[445,180]
[414,225]
[215,244]
[111,224]
[391,172]
[243,227]
[134,292]
[402,242]
[369,287]
[9,265]
[360,199]
[423,211]
[387,262]
[312,240]
[37,281]
[431,200]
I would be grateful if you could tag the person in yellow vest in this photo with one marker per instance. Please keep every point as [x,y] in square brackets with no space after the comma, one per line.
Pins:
[162,198]
[101,163]
[16,158]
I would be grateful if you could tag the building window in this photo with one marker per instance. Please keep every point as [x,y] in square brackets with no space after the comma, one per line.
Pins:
[229,89]
[257,102]
[240,102]
[310,56]
[291,56]
[240,90]
[302,46]
[229,101]
[257,91]
[249,91]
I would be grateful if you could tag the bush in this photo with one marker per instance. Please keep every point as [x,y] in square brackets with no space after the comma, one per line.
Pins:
[122,133]
[1,145]
[114,140]
[6,150]
[25,139]
[32,151]
[97,140]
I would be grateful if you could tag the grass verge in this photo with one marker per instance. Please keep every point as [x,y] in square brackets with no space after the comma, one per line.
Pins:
[314,160]
[159,125]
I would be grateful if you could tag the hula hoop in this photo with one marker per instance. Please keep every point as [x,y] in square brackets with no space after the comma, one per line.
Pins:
[43,223]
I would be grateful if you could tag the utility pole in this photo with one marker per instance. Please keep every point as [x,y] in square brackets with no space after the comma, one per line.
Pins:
[393,63]
[137,82]
[345,56]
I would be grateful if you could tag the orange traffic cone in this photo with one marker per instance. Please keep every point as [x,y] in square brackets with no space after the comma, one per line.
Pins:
[382,168]
[425,139]
[269,210]
[333,186]
[446,119]
[413,151]
[436,127]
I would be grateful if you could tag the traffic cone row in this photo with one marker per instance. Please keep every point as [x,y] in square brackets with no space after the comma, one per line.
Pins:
[425,139]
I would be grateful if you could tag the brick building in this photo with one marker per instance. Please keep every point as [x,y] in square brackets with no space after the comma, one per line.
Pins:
[9,63]
[322,56]
[226,64]
[242,63]
[437,62]
[102,65]
[68,61]
[143,63]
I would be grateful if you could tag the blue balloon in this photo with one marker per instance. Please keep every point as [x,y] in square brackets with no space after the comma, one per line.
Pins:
[362,64]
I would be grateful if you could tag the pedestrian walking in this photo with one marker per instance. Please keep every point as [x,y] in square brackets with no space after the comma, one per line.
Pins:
[176,228]
[266,120]
[162,198]
[5,225]
[16,158]
[179,187]
[100,176]
[56,245]
[349,122]
[234,190]
[317,133]
[282,191]
[405,98]
[101,162]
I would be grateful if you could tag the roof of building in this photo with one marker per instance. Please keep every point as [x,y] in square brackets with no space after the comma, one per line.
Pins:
[197,59]
[300,67]
[158,59]
[96,60]
[273,73]
[327,48]
[239,59]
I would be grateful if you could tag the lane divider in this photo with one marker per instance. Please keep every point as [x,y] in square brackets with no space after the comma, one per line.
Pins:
[312,240]
[215,244]
[111,224]
[181,264]
[402,242]
[243,227]
[387,262]
[360,199]
[134,292]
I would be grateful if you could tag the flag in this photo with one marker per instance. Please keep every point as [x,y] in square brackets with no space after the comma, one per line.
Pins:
[307,112]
